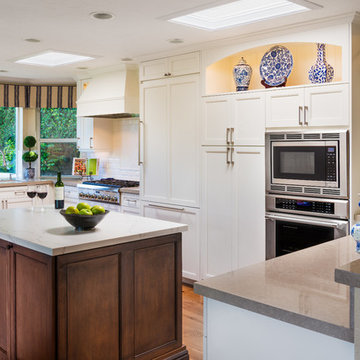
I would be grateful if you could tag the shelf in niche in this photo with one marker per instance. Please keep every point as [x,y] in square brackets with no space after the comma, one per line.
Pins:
[219,76]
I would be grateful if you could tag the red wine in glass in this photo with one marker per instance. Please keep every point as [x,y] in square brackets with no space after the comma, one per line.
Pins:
[31,194]
[42,195]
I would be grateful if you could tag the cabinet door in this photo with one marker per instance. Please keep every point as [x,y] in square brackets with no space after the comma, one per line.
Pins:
[155,167]
[85,133]
[190,239]
[218,212]
[33,301]
[184,64]
[184,149]
[249,119]
[249,172]
[327,105]
[217,116]
[284,108]
[4,301]
[154,69]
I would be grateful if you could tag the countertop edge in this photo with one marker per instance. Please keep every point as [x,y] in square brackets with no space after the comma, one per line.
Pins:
[93,245]
[339,332]
[25,183]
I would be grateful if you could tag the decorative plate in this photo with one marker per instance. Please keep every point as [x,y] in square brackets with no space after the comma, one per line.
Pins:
[276,65]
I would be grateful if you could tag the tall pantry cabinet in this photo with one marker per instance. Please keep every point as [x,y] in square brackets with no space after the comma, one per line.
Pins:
[170,153]
[233,182]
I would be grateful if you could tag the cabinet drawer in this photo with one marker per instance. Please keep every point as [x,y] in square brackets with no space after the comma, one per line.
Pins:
[130,200]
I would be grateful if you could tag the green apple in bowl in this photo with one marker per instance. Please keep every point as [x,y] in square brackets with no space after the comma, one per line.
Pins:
[83,205]
[97,209]
[85,212]
[71,210]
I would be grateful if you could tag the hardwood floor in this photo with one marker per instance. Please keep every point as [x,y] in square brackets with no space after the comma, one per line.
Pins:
[193,322]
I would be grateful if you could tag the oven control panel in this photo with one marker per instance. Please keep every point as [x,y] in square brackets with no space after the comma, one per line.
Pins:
[321,207]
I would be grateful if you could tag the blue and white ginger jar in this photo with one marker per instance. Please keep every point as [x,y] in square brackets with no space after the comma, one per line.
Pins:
[242,75]
[355,233]
[321,72]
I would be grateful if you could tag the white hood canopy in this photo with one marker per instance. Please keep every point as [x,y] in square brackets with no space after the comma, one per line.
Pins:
[111,95]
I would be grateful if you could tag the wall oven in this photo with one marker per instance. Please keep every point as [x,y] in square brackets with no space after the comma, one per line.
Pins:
[295,223]
[310,163]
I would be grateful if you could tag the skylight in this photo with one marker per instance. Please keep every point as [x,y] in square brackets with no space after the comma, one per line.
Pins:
[239,13]
[53,58]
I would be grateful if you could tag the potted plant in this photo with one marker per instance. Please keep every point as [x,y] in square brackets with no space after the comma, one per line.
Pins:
[29,157]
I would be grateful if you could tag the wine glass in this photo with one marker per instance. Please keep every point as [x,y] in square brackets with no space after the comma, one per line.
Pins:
[31,193]
[42,193]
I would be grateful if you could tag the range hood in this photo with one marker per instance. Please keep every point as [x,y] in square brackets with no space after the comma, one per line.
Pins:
[110,95]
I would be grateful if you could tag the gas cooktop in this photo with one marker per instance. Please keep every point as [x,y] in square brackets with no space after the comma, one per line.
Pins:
[112,183]
[104,190]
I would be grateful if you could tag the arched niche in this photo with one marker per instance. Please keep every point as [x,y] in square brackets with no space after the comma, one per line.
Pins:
[219,75]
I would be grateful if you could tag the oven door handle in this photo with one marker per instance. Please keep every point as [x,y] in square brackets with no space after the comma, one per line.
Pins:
[334,224]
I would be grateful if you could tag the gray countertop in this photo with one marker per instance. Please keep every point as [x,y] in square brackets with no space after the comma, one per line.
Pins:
[49,233]
[298,288]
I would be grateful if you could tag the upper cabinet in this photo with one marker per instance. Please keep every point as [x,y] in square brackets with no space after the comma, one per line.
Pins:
[172,66]
[313,106]
[234,119]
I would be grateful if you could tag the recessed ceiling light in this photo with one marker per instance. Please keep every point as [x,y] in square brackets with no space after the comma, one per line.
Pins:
[176,41]
[240,12]
[1,70]
[53,58]
[126,59]
[31,40]
[102,16]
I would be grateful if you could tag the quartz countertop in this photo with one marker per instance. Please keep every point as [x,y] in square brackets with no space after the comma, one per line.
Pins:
[49,233]
[12,183]
[298,288]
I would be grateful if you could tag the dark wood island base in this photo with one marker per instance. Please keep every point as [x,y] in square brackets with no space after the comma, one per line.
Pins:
[116,302]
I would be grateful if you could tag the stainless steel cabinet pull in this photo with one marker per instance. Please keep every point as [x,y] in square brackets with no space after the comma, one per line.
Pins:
[19,193]
[227,156]
[139,141]
[166,207]
[9,246]
[91,144]
[227,136]
[6,204]
[300,111]
[306,109]
[131,201]
[232,130]
[2,204]
[231,156]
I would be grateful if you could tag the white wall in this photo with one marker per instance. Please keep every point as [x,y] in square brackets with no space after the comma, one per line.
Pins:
[116,145]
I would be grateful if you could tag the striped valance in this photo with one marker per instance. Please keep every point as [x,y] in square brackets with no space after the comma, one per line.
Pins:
[37,96]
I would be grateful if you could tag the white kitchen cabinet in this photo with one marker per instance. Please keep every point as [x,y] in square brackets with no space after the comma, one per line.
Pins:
[170,141]
[313,106]
[234,119]
[14,197]
[85,134]
[171,66]
[233,208]
[130,203]
[190,238]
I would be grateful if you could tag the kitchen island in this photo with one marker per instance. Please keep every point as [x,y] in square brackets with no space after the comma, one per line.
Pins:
[110,293]
[285,308]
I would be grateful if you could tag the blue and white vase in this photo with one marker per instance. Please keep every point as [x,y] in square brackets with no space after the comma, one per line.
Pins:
[242,74]
[355,233]
[321,72]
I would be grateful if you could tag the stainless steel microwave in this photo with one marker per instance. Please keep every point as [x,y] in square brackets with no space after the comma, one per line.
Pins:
[312,163]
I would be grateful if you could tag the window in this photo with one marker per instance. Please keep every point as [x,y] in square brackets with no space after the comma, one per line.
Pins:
[58,143]
[8,140]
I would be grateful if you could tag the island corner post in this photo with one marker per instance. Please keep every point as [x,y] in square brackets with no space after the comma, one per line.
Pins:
[116,302]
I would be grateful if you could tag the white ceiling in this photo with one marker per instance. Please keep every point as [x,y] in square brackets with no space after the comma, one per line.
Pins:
[137,30]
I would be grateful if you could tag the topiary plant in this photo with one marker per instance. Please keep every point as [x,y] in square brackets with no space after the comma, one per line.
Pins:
[30,156]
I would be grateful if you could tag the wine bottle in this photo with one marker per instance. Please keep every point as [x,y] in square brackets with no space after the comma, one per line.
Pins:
[59,193]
